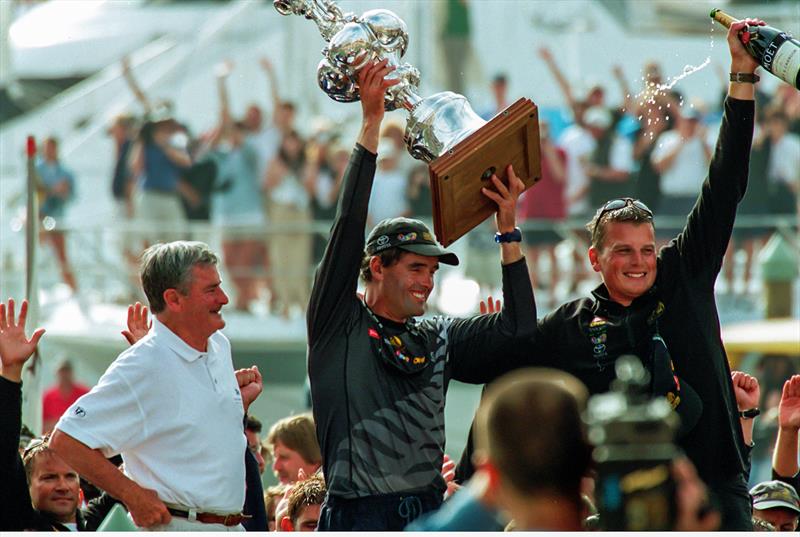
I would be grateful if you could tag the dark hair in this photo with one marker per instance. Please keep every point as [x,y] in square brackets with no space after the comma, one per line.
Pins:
[388,258]
[551,457]
[169,266]
[253,424]
[310,491]
[630,213]
[293,163]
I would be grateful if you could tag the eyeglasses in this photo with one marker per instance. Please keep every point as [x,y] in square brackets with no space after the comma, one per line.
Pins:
[619,203]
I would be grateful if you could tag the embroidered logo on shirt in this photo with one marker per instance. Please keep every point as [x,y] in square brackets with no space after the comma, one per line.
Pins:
[657,312]
[79,411]
[598,335]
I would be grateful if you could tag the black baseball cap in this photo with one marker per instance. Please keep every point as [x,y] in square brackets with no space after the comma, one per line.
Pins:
[772,494]
[409,235]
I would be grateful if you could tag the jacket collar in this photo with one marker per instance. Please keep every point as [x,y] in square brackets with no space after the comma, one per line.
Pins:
[602,301]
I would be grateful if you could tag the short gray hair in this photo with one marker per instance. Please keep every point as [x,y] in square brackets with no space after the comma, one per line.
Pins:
[169,266]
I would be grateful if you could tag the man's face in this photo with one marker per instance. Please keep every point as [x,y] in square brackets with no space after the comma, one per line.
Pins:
[200,306]
[627,260]
[308,518]
[254,445]
[406,285]
[54,487]
[782,519]
[287,462]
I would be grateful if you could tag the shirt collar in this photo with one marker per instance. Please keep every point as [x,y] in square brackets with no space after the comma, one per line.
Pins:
[174,342]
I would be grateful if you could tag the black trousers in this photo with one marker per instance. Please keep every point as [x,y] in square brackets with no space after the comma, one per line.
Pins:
[732,499]
[385,512]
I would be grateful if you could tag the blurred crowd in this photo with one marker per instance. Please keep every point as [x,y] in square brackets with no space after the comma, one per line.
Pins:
[271,186]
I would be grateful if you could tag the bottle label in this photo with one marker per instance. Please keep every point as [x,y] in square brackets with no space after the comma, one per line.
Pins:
[782,57]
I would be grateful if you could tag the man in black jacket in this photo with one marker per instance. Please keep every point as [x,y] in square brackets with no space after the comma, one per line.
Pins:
[54,485]
[378,376]
[661,307]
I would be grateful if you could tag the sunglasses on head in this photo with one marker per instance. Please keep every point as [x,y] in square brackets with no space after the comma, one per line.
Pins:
[619,203]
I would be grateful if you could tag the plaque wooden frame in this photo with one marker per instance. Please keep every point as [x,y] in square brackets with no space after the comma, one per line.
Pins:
[511,137]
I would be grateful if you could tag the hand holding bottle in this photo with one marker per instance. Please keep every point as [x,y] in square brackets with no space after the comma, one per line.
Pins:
[738,34]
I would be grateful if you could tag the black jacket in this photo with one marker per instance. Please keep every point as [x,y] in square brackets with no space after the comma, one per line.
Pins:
[682,300]
[16,510]
[381,430]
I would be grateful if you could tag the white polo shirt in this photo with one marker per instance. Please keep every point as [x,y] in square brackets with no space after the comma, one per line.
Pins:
[175,414]
[689,169]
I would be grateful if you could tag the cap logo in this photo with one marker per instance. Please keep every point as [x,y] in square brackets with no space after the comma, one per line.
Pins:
[382,240]
[427,236]
[405,237]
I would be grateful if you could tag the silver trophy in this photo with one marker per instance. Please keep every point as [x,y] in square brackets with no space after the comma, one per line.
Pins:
[435,124]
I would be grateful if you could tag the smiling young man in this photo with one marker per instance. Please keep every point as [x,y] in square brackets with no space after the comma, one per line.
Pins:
[171,405]
[54,488]
[378,376]
[660,306]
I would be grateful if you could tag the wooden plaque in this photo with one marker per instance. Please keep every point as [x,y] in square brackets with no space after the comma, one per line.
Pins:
[511,137]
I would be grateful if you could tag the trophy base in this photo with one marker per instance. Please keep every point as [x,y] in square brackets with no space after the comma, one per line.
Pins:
[511,137]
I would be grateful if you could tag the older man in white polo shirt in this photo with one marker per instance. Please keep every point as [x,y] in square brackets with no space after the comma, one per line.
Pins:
[171,404]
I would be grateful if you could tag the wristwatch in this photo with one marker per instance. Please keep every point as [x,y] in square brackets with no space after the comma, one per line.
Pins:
[512,236]
[750,78]
[750,413]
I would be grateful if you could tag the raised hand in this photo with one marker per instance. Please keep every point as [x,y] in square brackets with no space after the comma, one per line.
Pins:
[15,347]
[138,324]
[250,384]
[741,60]
[789,407]
[747,390]
[372,86]
[506,199]
[490,306]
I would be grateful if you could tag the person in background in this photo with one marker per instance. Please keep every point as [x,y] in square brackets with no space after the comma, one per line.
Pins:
[783,173]
[56,188]
[58,398]
[289,207]
[293,445]
[777,503]
[547,203]
[272,496]
[252,430]
[305,501]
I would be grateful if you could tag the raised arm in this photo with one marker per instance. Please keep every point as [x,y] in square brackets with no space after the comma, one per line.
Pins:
[628,103]
[127,74]
[561,80]
[15,347]
[748,393]
[272,80]
[478,346]
[784,459]
[336,278]
[702,244]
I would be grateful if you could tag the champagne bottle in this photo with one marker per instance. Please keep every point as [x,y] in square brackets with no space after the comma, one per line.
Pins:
[776,51]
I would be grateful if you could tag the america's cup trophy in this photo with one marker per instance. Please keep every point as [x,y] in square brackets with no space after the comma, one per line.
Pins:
[461,149]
